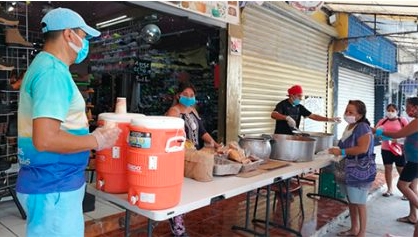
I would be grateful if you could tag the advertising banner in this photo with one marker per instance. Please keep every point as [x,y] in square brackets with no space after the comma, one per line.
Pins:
[226,11]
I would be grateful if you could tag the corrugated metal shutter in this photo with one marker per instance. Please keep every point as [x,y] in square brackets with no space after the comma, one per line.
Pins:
[278,53]
[353,85]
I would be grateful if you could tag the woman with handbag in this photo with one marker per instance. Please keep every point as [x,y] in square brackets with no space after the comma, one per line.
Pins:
[391,151]
[357,149]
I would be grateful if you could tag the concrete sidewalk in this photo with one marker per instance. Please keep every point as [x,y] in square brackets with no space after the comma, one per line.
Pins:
[382,213]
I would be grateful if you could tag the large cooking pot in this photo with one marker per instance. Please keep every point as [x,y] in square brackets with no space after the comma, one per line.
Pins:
[323,140]
[292,147]
[256,145]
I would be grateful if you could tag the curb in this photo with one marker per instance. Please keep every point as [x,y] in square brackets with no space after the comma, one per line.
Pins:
[341,217]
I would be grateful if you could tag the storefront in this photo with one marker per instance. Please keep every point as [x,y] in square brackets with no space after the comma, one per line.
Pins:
[361,70]
[145,50]
[282,47]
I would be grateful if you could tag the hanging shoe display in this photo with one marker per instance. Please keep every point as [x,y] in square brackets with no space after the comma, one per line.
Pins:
[12,126]
[6,19]
[6,68]
[16,81]
[13,37]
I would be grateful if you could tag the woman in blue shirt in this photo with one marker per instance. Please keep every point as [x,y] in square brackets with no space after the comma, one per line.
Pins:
[356,145]
[408,181]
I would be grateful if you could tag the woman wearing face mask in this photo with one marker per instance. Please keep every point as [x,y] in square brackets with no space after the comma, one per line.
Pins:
[392,122]
[356,144]
[195,132]
[408,181]
[288,112]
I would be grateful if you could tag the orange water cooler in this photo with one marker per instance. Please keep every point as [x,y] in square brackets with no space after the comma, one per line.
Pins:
[111,164]
[155,161]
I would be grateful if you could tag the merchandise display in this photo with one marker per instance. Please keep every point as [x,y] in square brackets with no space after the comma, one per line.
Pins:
[129,66]
[142,60]
[14,53]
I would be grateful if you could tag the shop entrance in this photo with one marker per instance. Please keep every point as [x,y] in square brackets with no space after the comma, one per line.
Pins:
[142,54]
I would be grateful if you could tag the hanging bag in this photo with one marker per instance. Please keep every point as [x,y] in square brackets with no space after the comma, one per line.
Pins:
[339,170]
[360,170]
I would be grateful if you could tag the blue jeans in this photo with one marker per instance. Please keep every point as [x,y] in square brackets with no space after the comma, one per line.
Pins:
[54,214]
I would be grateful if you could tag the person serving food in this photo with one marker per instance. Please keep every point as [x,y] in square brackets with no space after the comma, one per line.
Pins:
[288,112]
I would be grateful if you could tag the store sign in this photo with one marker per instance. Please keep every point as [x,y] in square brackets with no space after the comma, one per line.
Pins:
[226,11]
[142,70]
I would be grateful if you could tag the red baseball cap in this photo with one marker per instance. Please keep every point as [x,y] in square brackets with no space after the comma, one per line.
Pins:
[295,90]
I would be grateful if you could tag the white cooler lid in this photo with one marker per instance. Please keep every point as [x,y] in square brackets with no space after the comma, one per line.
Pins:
[126,118]
[158,122]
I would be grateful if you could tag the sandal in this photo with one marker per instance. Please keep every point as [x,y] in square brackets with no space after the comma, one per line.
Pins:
[404,198]
[387,194]
[405,220]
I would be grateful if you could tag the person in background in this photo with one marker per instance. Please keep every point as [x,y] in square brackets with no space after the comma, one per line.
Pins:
[288,112]
[184,108]
[53,133]
[357,141]
[392,122]
[195,132]
[408,181]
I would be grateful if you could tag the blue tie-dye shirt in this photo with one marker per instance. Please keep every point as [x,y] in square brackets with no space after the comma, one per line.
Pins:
[48,91]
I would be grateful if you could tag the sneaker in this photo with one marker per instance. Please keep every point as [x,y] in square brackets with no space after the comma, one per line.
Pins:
[6,68]
[6,19]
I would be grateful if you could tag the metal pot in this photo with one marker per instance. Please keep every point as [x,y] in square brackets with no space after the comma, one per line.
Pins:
[292,148]
[323,140]
[256,145]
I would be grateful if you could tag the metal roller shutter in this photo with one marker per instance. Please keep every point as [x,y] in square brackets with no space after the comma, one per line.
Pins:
[353,85]
[279,52]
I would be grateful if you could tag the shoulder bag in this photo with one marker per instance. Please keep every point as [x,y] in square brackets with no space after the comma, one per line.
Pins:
[359,170]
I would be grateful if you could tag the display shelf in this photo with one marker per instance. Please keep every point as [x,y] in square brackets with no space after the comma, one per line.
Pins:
[17,55]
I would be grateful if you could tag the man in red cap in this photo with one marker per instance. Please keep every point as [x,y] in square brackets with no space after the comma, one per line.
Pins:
[288,112]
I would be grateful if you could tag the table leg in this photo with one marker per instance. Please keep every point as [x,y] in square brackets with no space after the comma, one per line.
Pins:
[284,209]
[19,206]
[149,228]
[267,210]
[246,225]
[287,200]
[127,222]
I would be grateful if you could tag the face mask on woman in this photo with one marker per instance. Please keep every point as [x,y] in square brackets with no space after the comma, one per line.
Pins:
[187,101]
[349,119]
[391,115]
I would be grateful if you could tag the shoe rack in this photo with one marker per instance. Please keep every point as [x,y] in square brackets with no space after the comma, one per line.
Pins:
[115,54]
[14,53]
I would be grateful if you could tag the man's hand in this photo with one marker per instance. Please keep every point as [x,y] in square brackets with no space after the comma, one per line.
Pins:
[291,122]
[106,137]
[335,120]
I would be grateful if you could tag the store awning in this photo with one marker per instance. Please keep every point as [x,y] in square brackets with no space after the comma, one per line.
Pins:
[396,20]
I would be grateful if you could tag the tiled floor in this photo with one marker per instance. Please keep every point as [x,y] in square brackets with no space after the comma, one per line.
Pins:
[217,219]
[214,220]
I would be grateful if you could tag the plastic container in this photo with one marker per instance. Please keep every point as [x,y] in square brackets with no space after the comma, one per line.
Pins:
[223,166]
[111,171]
[155,162]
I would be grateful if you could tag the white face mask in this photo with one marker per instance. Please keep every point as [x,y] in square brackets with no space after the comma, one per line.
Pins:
[391,115]
[75,47]
[349,119]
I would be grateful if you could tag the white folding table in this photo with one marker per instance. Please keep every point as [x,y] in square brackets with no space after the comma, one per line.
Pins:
[195,195]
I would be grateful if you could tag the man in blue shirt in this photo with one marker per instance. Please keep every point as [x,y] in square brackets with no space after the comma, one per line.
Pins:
[53,132]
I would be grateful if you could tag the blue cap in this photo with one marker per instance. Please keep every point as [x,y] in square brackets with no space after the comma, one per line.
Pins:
[64,18]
